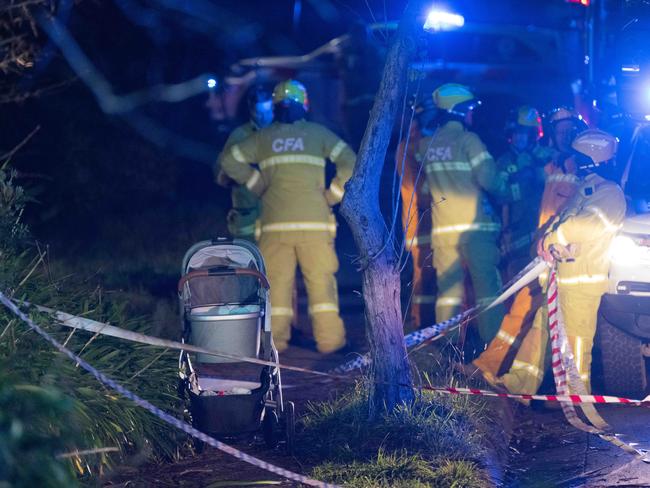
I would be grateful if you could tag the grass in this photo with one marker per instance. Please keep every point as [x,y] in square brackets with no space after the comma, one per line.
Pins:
[401,470]
[48,405]
[438,441]
[102,417]
[30,433]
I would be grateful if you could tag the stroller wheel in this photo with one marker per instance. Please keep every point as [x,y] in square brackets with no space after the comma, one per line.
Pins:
[289,427]
[270,427]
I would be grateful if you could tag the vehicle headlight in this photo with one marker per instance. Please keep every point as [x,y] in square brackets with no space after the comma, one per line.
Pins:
[628,251]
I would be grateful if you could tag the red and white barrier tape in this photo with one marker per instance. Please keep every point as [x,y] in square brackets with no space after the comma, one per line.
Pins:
[567,377]
[564,399]
[161,414]
[112,331]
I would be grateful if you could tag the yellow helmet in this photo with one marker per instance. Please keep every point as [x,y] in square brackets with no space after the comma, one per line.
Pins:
[293,91]
[598,145]
[528,116]
[447,96]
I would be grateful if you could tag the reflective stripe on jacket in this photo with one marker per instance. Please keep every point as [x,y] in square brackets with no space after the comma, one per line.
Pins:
[460,173]
[240,196]
[590,221]
[291,175]
[559,188]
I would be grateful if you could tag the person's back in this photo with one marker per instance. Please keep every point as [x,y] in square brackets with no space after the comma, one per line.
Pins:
[460,174]
[291,158]
[454,162]
[297,225]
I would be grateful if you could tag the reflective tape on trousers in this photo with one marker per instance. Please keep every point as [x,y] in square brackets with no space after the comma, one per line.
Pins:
[567,377]
[422,336]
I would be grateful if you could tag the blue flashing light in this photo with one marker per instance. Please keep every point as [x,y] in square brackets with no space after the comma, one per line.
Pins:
[212,83]
[630,68]
[442,20]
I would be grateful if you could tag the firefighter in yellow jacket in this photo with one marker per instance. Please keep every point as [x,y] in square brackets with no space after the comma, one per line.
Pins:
[461,173]
[579,239]
[560,185]
[297,224]
[246,205]
[416,205]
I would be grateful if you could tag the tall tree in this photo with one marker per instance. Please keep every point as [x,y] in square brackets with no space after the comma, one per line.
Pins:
[360,207]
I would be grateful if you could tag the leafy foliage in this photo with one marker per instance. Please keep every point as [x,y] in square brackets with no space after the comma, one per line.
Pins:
[12,205]
[56,406]
[31,431]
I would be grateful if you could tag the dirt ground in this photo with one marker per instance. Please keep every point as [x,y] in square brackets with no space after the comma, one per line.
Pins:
[544,450]
[212,468]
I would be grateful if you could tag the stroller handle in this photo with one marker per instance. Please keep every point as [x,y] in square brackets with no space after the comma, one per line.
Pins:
[221,272]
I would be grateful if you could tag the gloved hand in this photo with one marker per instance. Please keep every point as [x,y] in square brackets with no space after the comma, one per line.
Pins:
[544,253]
[224,180]
[563,253]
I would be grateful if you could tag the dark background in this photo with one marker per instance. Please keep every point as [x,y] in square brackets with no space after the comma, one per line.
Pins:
[121,208]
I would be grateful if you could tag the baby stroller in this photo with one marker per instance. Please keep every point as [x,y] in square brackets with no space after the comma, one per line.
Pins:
[225,307]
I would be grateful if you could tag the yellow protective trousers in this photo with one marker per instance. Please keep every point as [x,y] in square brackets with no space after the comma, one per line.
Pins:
[478,258]
[314,253]
[424,281]
[498,356]
[580,312]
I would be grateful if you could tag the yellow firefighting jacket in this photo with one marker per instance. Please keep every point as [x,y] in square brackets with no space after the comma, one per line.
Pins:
[246,206]
[559,187]
[460,173]
[590,221]
[291,175]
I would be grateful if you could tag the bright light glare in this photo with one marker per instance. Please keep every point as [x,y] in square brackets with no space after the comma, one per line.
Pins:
[626,252]
[438,20]
[630,68]
[212,83]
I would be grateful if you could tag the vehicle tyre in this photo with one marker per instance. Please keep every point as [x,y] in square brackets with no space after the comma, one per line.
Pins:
[270,428]
[289,427]
[624,370]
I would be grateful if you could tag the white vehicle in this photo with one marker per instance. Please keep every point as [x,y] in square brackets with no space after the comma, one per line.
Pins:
[623,335]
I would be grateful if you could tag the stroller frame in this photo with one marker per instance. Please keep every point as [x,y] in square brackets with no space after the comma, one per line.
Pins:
[233,414]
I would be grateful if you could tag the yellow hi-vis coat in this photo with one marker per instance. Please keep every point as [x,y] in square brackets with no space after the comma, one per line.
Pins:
[559,189]
[589,222]
[246,205]
[297,224]
[465,229]
[416,205]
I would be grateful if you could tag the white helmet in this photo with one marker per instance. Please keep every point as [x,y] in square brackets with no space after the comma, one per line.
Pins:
[598,145]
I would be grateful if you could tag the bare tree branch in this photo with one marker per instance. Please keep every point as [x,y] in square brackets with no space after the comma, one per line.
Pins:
[20,145]
[109,102]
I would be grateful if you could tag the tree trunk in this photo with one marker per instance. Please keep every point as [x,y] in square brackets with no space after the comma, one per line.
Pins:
[360,207]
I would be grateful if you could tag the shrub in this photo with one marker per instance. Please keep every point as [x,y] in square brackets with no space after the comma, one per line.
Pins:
[48,394]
